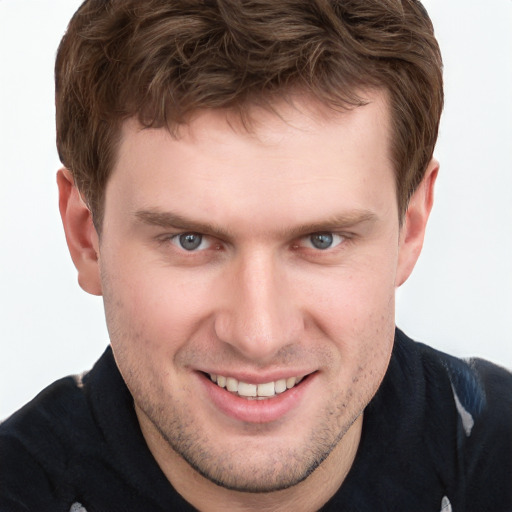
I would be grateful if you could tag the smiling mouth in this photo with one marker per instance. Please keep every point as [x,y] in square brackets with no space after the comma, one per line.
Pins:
[256,391]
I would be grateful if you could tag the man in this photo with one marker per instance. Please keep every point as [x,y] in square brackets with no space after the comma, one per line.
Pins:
[246,184]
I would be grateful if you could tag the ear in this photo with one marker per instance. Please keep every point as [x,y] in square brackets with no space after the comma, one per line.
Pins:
[413,229]
[81,235]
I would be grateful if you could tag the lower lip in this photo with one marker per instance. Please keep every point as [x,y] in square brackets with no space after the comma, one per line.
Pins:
[256,411]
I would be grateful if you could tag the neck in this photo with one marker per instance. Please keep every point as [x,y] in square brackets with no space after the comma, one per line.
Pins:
[307,496]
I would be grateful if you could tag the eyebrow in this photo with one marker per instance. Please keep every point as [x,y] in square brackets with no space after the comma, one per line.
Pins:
[172,220]
[346,220]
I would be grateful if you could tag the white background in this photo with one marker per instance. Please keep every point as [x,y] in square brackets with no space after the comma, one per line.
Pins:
[459,298]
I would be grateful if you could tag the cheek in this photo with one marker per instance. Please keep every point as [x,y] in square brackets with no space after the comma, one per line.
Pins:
[149,322]
[354,309]
[355,302]
[151,310]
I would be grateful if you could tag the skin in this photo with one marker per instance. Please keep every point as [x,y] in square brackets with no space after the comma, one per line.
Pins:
[256,299]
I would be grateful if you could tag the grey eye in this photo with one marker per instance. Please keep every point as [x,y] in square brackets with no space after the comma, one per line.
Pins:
[190,241]
[321,240]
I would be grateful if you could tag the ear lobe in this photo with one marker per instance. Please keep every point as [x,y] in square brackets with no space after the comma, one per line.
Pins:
[413,229]
[81,235]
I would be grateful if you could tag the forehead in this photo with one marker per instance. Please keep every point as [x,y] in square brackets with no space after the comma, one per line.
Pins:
[274,120]
[287,158]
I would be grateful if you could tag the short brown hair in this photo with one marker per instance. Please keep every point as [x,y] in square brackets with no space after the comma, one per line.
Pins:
[162,60]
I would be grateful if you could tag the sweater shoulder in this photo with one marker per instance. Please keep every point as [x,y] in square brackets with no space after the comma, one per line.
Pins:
[37,446]
[478,395]
[57,405]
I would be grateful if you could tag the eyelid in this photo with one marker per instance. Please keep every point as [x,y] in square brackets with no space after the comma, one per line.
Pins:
[173,240]
[341,238]
[209,241]
[206,241]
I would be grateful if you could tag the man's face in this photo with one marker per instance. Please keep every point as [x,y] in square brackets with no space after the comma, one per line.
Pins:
[259,258]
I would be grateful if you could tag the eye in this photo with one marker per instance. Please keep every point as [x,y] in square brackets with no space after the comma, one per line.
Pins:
[323,241]
[190,241]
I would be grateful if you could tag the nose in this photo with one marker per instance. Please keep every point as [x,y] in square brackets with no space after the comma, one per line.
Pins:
[258,312]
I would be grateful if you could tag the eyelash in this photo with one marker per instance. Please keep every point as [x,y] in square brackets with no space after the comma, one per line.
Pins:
[342,239]
[176,240]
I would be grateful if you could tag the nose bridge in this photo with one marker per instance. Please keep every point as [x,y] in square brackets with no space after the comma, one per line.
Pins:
[258,318]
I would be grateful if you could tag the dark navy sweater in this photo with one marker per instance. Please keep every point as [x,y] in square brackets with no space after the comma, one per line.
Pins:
[437,436]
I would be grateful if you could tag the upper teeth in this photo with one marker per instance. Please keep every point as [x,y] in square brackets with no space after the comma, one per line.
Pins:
[265,390]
